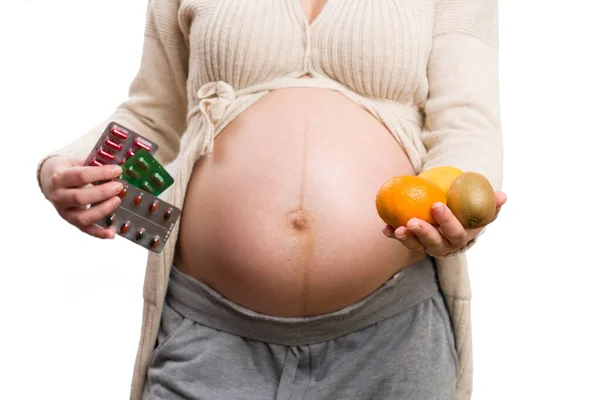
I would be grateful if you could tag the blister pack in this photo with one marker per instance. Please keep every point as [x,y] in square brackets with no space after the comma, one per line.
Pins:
[117,144]
[142,218]
[143,171]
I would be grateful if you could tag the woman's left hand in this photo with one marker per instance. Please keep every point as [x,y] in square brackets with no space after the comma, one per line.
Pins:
[440,241]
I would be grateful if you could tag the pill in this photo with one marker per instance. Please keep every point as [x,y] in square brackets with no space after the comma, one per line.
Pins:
[132,173]
[123,161]
[157,180]
[123,192]
[139,235]
[154,242]
[125,227]
[105,154]
[119,133]
[113,145]
[110,220]
[147,187]
[142,164]
[130,153]
[140,144]
[153,206]
[96,163]
[168,214]
[138,199]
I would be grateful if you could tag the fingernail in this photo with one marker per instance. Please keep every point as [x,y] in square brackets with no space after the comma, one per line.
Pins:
[438,209]
[117,187]
[401,237]
[413,226]
[117,170]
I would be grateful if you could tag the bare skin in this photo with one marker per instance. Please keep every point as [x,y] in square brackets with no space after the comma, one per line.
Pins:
[281,217]
[312,8]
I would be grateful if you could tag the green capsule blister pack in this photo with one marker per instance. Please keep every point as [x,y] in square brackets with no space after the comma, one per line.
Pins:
[143,171]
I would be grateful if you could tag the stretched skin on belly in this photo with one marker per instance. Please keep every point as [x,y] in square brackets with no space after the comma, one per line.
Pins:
[300,220]
[281,219]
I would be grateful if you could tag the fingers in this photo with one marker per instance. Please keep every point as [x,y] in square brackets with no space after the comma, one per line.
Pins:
[405,237]
[429,236]
[83,218]
[450,227]
[408,239]
[76,177]
[500,198]
[500,201]
[388,231]
[96,231]
[444,239]
[77,198]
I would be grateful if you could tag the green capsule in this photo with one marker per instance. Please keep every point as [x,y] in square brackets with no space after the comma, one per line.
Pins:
[132,173]
[142,164]
[147,187]
[157,180]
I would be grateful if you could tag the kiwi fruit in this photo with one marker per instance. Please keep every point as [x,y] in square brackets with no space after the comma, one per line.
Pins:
[472,200]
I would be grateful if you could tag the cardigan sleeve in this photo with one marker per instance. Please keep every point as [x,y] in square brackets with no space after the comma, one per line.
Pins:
[156,106]
[462,112]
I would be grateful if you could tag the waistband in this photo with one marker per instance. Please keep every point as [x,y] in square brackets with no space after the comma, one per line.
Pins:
[196,301]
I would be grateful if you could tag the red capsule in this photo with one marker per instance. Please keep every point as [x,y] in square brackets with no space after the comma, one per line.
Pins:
[123,193]
[119,133]
[139,235]
[95,162]
[113,145]
[123,161]
[155,242]
[105,154]
[138,199]
[125,227]
[130,153]
[140,144]
[153,207]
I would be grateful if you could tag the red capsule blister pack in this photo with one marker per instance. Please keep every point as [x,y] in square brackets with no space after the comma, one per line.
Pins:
[142,218]
[117,144]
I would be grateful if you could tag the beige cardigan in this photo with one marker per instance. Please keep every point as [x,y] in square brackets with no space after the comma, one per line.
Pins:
[427,69]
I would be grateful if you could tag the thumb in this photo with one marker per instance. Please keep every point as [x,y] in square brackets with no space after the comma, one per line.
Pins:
[77,161]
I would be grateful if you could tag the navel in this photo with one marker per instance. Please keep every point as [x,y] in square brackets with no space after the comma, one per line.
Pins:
[298,220]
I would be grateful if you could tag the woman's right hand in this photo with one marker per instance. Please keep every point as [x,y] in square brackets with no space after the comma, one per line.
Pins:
[62,179]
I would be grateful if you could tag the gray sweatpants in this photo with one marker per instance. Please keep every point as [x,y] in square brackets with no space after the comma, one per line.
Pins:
[395,344]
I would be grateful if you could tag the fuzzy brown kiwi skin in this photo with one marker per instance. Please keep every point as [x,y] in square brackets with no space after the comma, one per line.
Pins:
[474,192]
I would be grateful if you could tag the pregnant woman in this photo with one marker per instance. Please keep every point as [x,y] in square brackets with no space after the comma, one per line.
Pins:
[282,118]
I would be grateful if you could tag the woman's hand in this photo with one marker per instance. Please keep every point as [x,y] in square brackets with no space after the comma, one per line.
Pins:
[62,180]
[447,238]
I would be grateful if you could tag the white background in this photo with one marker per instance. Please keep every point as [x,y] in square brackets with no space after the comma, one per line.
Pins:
[70,305]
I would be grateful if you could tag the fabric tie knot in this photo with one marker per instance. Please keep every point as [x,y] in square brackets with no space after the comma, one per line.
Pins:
[214,99]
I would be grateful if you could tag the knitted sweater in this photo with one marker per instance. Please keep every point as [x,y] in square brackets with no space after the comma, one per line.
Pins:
[427,69]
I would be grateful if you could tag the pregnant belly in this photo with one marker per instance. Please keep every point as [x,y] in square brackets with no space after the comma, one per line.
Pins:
[281,217]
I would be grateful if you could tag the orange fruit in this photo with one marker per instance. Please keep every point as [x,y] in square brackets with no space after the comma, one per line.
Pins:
[442,176]
[404,197]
